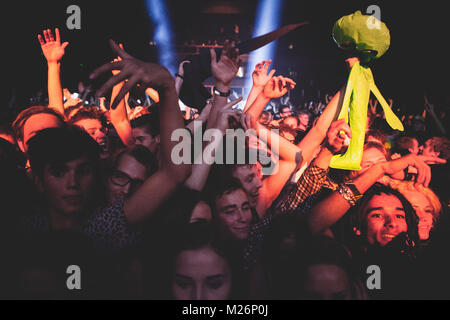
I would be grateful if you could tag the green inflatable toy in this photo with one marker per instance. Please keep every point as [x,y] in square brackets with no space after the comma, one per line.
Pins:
[367,38]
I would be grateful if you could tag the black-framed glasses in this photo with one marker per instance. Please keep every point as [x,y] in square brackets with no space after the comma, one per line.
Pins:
[120,178]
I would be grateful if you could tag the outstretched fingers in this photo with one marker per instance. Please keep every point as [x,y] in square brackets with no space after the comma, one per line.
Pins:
[57,35]
[118,65]
[117,49]
[111,83]
[124,90]
[41,40]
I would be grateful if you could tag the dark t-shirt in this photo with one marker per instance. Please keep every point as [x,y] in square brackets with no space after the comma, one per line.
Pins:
[107,227]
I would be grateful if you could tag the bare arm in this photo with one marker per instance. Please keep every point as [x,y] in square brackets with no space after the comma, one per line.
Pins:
[53,51]
[119,115]
[160,186]
[179,79]
[260,78]
[327,212]
[218,120]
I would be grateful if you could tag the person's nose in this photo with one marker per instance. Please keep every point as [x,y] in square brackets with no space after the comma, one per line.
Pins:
[197,293]
[99,134]
[71,180]
[258,182]
[390,222]
[243,216]
[126,189]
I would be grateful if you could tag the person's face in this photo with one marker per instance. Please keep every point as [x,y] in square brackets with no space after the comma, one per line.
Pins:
[201,275]
[234,214]
[285,112]
[424,211]
[126,178]
[326,282]
[96,130]
[287,135]
[385,218]
[201,211]
[142,137]
[369,158]
[67,187]
[36,123]
[265,118]
[415,148]
[250,179]
[291,122]
[304,119]
[428,149]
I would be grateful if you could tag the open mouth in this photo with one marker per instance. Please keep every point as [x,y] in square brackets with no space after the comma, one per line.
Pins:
[388,236]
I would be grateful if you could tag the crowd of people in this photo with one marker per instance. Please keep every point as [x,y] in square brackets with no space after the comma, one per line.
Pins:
[96,186]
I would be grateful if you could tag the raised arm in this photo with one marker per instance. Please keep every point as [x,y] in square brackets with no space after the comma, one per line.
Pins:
[119,115]
[260,78]
[161,185]
[179,78]
[218,119]
[290,155]
[224,70]
[327,212]
[53,52]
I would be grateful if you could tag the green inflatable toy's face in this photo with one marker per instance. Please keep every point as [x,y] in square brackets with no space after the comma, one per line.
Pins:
[362,33]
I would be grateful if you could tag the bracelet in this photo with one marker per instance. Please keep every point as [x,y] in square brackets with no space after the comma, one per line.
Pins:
[179,75]
[347,194]
[354,190]
[222,94]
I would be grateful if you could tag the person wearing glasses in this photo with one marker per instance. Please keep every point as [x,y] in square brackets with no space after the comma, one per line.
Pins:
[130,168]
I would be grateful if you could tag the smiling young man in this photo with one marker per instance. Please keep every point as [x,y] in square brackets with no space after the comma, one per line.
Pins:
[93,122]
[231,210]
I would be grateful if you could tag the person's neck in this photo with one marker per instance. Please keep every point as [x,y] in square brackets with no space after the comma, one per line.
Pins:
[302,127]
[59,221]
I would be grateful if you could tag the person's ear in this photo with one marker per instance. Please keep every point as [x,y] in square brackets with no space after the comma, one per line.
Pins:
[158,139]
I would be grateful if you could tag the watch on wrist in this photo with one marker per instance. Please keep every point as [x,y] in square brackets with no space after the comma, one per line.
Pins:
[222,94]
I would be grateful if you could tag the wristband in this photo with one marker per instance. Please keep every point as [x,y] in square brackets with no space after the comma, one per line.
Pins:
[179,75]
[222,94]
[347,194]
[354,190]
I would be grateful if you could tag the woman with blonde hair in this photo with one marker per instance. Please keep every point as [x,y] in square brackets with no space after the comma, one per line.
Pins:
[424,201]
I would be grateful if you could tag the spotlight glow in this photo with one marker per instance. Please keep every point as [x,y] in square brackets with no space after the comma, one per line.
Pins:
[268,17]
[163,33]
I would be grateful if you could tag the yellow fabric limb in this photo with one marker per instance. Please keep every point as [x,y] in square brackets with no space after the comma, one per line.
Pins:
[391,118]
[357,116]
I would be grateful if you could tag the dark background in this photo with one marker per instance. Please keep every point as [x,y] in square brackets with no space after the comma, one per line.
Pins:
[417,62]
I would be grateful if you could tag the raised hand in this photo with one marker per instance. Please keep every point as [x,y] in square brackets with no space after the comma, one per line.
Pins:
[51,47]
[393,167]
[260,76]
[220,119]
[278,86]
[135,71]
[181,67]
[228,65]
[338,136]
[116,72]
[69,100]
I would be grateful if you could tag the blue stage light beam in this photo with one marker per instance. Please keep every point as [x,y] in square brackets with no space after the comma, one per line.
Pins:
[268,18]
[163,35]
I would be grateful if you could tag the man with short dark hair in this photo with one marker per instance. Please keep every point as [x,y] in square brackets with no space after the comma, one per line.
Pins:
[146,131]
[93,121]
[231,210]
